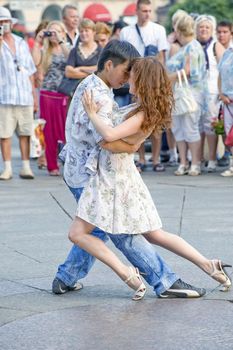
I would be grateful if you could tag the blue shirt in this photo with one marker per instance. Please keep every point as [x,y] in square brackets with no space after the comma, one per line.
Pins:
[15,72]
[226,72]
[194,52]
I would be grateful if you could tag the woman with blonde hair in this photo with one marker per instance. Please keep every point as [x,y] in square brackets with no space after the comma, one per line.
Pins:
[213,50]
[103,33]
[190,57]
[83,58]
[116,199]
[51,60]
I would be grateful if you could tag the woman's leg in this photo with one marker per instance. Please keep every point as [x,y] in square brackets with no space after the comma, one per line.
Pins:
[212,144]
[182,147]
[179,246]
[195,151]
[80,234]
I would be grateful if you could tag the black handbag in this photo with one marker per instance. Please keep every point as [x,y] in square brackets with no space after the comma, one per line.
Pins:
[68,86]
[150,50]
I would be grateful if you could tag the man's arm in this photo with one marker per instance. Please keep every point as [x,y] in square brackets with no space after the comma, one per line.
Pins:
[119,146]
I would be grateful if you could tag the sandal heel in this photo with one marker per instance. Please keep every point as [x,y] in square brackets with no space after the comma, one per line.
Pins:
[220,271]
[141,290]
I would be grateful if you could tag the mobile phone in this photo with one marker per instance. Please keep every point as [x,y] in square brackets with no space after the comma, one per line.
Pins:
[48,33]
[1,30]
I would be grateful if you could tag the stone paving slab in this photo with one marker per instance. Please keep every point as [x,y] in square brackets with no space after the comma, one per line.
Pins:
[33,241]
[125,325]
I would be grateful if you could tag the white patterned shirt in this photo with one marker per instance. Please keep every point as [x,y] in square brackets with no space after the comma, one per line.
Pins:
[81,136]
[15,71]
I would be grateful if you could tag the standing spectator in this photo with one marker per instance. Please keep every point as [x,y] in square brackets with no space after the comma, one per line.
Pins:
[53,105]
[224,33]
[151,34]
[102,33]
[16,96]
[191,58]
[121,95]
[226,95]
[83,58]
[41,161]
[117,27]
[213,50]
[71,21]
[224,36]
[173,49]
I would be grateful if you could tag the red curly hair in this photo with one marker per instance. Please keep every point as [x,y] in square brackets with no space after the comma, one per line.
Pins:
[153,92]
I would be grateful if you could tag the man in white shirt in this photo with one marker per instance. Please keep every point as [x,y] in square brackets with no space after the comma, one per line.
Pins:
[150,33]
[16,95]
[70,18]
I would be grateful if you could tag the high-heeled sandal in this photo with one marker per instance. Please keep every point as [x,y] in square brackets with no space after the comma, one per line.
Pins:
[140,292]
[221,272]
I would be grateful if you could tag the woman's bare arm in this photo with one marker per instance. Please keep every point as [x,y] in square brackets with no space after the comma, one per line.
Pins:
[129,127]
[120,146]
[76,72]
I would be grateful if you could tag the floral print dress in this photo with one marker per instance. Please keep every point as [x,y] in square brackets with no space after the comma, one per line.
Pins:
[116,199]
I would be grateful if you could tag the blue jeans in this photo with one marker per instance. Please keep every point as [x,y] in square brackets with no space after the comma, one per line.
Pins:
[135,248]
[124,100]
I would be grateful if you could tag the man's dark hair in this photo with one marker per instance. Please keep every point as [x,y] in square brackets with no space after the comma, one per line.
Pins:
[118,25]
[225,23]
[143,2]
[118,52]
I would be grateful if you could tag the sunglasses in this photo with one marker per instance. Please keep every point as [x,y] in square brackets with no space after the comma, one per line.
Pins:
[17,65]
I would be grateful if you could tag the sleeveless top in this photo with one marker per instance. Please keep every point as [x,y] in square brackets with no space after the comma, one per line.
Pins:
[212,76]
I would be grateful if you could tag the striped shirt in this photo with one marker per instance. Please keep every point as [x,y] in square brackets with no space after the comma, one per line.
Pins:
[15,71]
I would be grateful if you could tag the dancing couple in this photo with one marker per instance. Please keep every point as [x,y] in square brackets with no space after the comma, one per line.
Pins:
[110,192]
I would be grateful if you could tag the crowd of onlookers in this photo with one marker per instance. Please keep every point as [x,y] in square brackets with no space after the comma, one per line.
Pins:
[38,84]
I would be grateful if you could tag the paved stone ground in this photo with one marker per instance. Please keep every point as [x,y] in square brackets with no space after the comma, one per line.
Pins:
[33,241]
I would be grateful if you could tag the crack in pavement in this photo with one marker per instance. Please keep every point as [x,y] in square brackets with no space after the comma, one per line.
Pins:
[181,213]
[20,253]
[28,285]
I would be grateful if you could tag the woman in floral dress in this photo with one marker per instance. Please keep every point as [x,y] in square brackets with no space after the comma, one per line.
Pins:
[116,199]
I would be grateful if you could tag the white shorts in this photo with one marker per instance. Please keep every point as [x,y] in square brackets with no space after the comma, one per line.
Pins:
[186,128]
[15,118]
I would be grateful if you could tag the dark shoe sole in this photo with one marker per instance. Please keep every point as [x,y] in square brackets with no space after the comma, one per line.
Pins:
[26,177]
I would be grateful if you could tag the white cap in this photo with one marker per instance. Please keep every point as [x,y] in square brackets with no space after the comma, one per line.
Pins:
[5,15]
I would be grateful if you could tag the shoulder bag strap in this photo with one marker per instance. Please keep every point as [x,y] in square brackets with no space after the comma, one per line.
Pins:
[184,77]
[139,33]
[179,78]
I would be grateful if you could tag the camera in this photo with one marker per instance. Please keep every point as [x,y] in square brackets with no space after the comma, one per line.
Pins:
[48,34]
[1,30]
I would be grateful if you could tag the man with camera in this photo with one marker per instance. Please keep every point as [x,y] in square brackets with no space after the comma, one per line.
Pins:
[16,95]
[149,39]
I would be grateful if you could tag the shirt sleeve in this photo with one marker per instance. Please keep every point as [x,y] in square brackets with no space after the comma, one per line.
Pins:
[105,114]
[222,60]
[71,61]
[162,42]
[194,57]
[30,66]
[122,34]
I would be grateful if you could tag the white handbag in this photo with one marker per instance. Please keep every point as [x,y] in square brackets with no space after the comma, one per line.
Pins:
[185,102]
